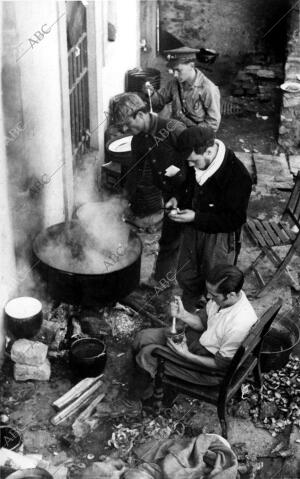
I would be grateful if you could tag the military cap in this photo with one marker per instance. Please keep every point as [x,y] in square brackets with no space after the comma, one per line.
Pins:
[125,105]
[180,55]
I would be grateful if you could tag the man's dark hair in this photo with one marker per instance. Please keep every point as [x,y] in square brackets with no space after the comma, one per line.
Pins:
[197,139]
[126,105]
[199,150]
[227,278]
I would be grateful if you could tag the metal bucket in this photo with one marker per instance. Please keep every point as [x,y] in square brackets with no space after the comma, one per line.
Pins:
[278,344]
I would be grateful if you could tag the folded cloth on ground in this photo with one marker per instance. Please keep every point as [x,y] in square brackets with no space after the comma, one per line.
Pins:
[206,456]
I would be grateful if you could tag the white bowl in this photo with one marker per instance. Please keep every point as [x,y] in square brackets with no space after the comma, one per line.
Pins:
[290,87]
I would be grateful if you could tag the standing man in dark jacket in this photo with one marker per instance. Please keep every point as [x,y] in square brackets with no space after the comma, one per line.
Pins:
[219,187]
[154,145]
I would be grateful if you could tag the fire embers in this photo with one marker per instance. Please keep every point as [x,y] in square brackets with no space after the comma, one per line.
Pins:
[278,403]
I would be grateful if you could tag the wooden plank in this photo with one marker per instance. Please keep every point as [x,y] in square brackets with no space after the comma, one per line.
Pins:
[272,233]
[75,392]
[264,233]
[280,232]
[288,232]
[255,234]
[75,405]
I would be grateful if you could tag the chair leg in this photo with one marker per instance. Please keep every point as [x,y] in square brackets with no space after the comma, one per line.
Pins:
[221,415]
[280,270]
[158,393]
[257,376]
[252,266]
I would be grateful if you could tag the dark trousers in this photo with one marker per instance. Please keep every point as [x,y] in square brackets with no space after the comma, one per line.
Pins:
[155,338]
[166,263]
[199,253]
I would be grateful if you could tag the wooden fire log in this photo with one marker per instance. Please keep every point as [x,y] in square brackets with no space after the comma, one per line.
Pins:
[75,392]
[75,405]
[85,422]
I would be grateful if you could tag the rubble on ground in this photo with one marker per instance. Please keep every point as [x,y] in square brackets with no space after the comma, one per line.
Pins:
[277,406]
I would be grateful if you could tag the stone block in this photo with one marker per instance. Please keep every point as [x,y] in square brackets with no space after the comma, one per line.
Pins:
[263,73]
[24,372]
[291,100]
[271,170]
[294,161]
[32,353]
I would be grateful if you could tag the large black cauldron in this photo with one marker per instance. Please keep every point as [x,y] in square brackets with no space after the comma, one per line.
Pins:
[81,288]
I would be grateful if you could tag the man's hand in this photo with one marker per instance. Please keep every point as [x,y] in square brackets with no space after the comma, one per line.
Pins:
[148,88]
[180,348]
[177,308]
[183,216]
[172,203]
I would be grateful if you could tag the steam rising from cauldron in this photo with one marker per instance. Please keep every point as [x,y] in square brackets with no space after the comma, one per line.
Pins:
[97,242]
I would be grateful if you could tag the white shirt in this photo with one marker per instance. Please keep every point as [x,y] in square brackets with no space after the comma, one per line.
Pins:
[227,327]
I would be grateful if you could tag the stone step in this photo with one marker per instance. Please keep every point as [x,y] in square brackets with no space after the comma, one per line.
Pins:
[294,162]
[272,171]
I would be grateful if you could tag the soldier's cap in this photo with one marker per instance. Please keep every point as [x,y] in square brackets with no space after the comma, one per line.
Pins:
[196,138]
[126,105]
[180,55]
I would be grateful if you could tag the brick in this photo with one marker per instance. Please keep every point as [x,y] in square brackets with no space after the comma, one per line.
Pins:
[32,353]
[25,372]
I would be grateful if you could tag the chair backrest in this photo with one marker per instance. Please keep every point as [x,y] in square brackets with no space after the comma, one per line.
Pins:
[250,348]
[292,209]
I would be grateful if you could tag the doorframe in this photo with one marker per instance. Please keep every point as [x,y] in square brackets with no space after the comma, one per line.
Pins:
[95,30]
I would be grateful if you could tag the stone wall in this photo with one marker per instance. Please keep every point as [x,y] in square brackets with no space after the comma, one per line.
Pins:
[232,27]
[289,130]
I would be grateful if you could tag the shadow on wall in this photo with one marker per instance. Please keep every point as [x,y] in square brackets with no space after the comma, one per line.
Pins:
[231,28]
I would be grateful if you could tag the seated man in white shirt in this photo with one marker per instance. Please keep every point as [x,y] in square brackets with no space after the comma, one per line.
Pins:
[212,336]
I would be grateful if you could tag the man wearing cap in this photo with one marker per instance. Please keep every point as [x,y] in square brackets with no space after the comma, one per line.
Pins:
[195,99]
[219,187]
[154,146]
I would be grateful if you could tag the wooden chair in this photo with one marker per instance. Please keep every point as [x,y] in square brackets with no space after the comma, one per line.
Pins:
[245,361]
[269,234]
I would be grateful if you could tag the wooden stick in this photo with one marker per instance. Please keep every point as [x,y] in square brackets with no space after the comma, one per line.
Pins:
[76,405]
[85,414]
[74,393]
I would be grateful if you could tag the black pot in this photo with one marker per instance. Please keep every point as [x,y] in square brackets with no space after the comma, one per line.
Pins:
[10,438]
[136,79]
[278,344]
[86,289]
[23,316]
[88,357]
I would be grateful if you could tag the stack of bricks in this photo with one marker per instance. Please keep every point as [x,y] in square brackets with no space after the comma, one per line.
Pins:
[30,358]
[289,129]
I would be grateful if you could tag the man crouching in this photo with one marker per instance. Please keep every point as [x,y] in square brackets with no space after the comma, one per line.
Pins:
[212,336]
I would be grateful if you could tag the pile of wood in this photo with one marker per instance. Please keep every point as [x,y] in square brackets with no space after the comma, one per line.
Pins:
[81,401]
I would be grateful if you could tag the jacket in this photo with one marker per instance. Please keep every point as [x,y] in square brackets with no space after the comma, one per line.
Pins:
[157,149]
[221,202]
[196,104]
